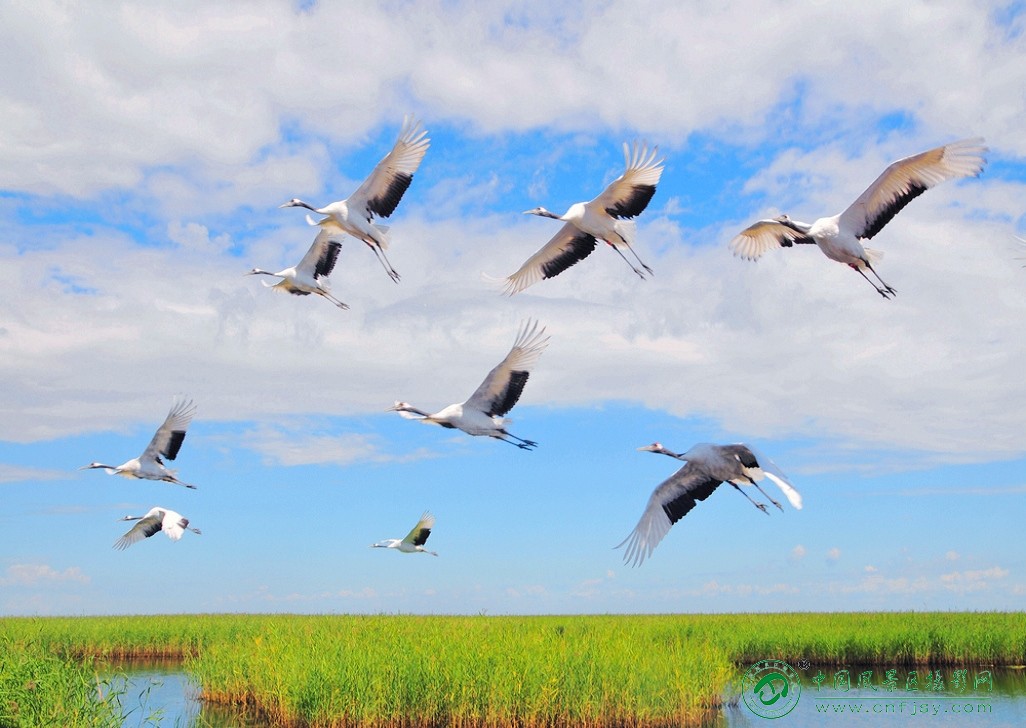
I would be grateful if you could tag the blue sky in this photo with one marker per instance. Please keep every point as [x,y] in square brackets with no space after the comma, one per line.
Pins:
[142,162]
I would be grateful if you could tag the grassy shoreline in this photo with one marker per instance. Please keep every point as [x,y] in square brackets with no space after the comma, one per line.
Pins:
[384,671]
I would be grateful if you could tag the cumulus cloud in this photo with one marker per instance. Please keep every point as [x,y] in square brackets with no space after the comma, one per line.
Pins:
[20,474]
[302,447]
[190,122]
[108,98]
[41,575]
[973,579]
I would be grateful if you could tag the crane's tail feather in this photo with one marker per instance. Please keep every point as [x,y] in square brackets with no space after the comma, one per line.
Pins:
[626,229]
[874,255]
[383,233]
[793,496]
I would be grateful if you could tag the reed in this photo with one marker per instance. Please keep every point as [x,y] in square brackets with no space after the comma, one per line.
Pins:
[41,690]
[591,671]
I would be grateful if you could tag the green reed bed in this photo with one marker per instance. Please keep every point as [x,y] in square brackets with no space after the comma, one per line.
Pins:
[114,638]
[38,689]
[867,638]
[589,671]
[396,671]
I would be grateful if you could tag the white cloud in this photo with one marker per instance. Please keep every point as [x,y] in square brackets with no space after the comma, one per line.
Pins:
[21,474]
[103,98]
[715,588]
[41,575]
[289,448]
[798,552]
[216,114]
[833,554]
[973,580]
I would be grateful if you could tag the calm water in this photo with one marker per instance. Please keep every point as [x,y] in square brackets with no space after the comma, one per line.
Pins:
[161,694]
[986,697]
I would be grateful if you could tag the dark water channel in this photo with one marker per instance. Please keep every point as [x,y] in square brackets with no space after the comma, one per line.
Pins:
[160,693]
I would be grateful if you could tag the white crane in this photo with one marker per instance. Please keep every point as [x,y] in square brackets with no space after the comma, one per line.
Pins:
[415,539]
[165,444]
[156,519]
[706,468]
[483,413]
[378,195]
[840,236]
[311,275]
[609,217]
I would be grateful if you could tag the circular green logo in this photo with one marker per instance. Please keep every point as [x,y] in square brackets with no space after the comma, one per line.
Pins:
[771,688]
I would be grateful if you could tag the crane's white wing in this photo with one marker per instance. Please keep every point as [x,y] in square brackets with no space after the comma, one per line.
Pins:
[144,528]
[168,439]
[381,191]
[774,473]
[320,258]
[419,535]
[908,178]
[629,194]
[669,502]
[501,389]
[765,235]
[568,246]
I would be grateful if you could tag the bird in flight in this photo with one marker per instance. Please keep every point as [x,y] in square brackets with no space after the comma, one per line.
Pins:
[608,217]
[707,467]
[156,519]
[379,194]
[840,236]
[414,541]
[483,413]
[311,275]
[165,444]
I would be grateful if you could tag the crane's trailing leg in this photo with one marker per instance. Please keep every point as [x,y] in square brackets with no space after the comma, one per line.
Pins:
[334,300]
[633,252]
[638,257]
[518,441]
[380,252]
[172,479]
[885,292]
[760,506]
[886,287]
[633,267]
[768,497]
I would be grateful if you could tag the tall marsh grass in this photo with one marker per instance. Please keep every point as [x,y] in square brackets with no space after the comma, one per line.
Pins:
[41,690]
[589,671]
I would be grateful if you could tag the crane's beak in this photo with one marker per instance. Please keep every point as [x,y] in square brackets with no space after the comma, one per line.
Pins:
[654,447]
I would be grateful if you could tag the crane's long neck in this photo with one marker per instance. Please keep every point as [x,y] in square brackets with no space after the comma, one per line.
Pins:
[414,411]
[258,271]
[542,212]
[307,205]
[670,453]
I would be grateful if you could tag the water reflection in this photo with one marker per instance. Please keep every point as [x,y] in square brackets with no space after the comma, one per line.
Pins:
[838,700]
[160,693]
